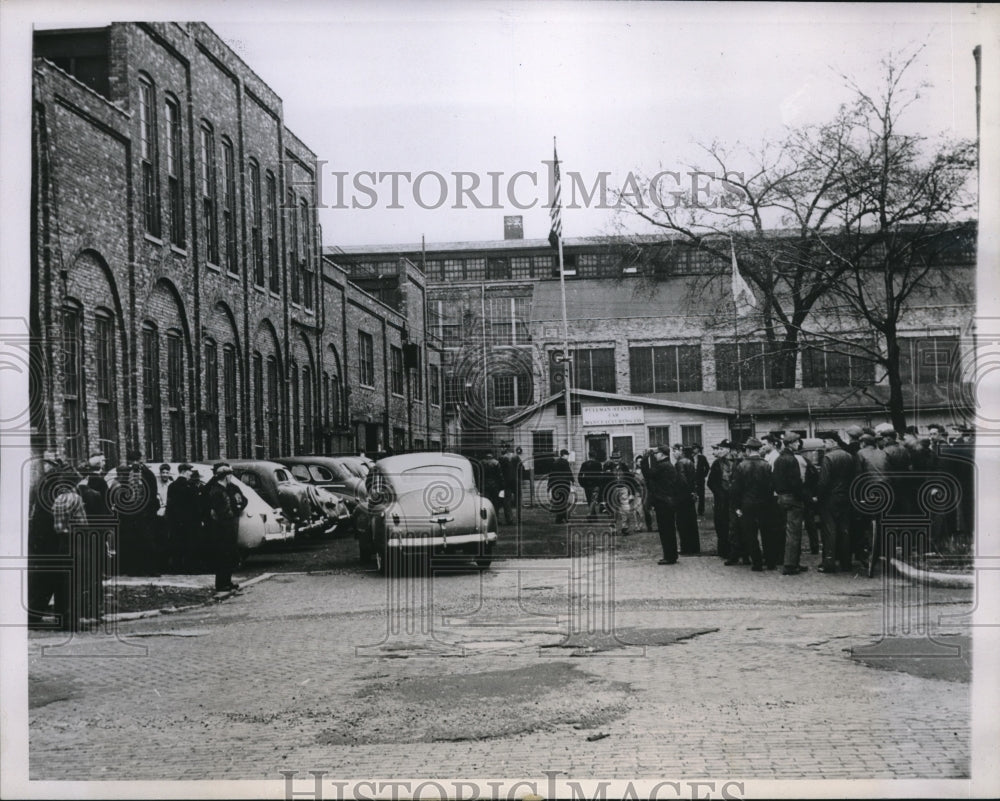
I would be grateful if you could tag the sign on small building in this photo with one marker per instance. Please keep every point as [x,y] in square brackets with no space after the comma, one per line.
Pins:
[612,415]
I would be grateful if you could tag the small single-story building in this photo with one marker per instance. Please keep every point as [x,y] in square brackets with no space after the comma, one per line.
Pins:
[606,422]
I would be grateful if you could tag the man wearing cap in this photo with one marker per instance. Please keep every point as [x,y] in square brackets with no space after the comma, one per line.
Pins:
[510,464]
[225,505]
[834,492]
[620,489]
[559,484]
[774,519]
[752,495]
[662,486]
[853,439]
[898,464]
[812,449]
[687,510]
[590,480]
[789,486]
[136,502]
[720,477]
[184,519]
[493,481]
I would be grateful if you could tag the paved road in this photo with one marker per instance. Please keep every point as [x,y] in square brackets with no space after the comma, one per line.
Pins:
[597,666]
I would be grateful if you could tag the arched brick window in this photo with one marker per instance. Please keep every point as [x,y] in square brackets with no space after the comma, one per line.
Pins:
[152,424]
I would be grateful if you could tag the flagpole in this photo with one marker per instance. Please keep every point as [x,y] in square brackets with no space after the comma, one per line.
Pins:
[736,339]
[567,363]
[486,379]
[556,213]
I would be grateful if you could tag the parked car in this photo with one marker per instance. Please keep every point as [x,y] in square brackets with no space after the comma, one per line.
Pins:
[329,472]
[261,522]
[425,505]
[312,510]
[359,466]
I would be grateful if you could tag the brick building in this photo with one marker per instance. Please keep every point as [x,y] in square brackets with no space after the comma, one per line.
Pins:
[658,338]
[179,301]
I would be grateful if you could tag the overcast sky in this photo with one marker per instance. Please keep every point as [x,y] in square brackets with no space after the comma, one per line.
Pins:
[626,87]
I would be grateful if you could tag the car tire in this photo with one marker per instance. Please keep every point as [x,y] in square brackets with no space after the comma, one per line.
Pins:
[365,550]
[242,554]
[381,561]
[484,561]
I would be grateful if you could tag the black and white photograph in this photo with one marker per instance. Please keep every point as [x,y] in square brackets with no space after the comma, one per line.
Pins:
[516,400]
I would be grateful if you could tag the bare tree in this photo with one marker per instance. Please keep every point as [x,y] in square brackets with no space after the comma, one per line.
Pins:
[835,227]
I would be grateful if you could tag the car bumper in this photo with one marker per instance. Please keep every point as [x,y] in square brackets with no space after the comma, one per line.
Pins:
[276,533]
[455,542]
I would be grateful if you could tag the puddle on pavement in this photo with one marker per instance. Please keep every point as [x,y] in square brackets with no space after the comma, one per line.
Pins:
[948,658]
[479,706]
[591,642]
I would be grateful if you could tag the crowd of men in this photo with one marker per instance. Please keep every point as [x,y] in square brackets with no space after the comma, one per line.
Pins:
[83,529]
[836,488]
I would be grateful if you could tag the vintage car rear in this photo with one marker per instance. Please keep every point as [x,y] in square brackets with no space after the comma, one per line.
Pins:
[427,505]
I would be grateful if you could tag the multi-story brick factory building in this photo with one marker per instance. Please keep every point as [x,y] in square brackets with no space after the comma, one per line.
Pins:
[658,353]
[180,304]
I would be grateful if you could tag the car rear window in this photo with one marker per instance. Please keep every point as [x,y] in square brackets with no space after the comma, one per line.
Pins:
[300,471]
[320,473]
[422,475]
[281,476]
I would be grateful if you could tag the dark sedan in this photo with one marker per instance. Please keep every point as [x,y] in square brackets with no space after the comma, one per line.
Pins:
[312,509]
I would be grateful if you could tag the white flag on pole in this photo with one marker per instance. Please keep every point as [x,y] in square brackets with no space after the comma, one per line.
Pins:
[743,296]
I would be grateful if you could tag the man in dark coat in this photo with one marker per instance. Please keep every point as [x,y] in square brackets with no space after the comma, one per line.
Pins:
[94,490]
[136,501]
[834,492]
[662,486]
[720,477]
[559,484]
[686,512]
[590,479]
[788,476]
[752,496]
[619,491]
[701,468]
[512,468]
[493,481]
[225,504]
[183,517]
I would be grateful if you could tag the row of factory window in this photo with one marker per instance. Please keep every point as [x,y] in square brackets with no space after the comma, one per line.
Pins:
[221,245]
[680,261]
[749,365]
[742,366]
[505,322]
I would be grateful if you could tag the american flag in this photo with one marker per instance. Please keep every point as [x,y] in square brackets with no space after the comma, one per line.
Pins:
[556,211]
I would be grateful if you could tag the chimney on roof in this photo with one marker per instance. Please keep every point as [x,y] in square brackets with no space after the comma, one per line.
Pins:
[513,227]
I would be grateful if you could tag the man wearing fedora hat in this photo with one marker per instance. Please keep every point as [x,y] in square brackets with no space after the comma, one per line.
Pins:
[225,504]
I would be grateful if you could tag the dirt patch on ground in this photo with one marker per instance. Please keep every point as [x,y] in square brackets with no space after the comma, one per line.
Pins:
[479,706]
[146,597]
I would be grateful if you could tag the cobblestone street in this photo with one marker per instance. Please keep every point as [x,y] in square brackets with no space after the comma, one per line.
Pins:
[584,668]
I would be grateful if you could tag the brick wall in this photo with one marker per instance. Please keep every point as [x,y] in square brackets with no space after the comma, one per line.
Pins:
[93,246]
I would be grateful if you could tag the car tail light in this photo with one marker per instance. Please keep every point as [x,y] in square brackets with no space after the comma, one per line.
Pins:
[482,512]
